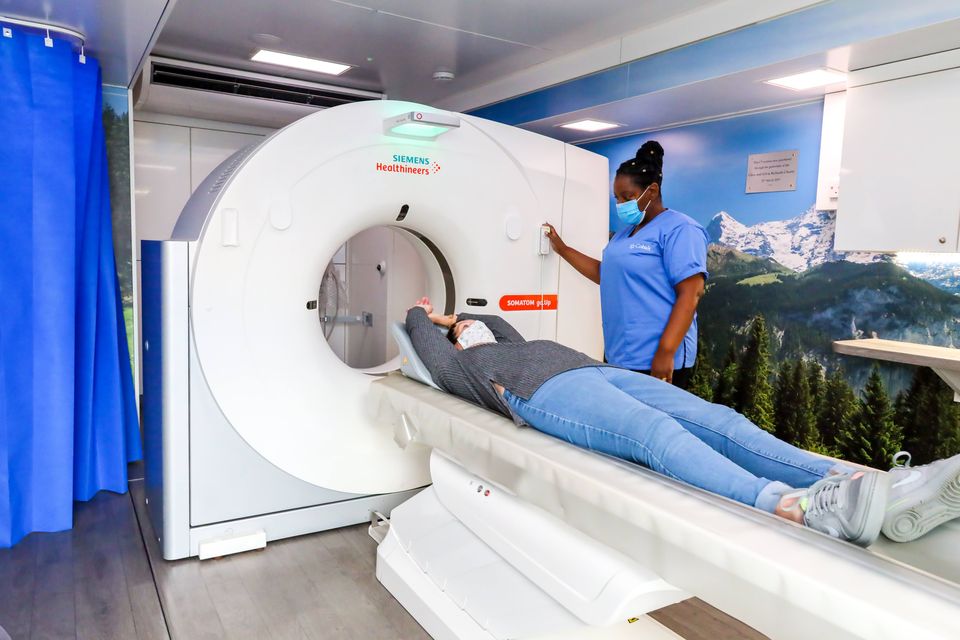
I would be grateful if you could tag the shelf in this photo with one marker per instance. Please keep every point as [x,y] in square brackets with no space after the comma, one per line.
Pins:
[943,360]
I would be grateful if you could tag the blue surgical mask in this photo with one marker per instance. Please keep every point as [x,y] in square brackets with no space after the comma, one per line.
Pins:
[629,212]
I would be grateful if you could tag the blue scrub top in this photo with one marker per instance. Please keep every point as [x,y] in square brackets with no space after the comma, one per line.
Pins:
[637,279]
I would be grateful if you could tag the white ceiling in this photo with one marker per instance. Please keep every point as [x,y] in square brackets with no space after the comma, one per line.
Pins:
[746,91]
[396,45]
[118,32]
[727,95]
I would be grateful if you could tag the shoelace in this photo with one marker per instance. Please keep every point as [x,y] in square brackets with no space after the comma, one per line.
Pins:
[896,459]
[826,496]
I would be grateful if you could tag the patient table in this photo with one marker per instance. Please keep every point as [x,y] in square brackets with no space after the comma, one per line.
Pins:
[610,541]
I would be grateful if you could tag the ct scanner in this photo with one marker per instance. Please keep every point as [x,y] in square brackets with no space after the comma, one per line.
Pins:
[250,416]
[255,430]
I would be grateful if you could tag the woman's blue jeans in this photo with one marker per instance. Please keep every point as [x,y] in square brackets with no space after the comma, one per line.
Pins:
[650,422]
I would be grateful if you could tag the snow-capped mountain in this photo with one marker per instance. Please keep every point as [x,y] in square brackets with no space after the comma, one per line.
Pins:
[798,243]
[938,271]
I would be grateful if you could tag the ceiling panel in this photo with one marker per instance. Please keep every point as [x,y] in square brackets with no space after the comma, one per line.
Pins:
[558,26]
[396,45]
[118,32]
[733,94]
[746,91]
[910,44]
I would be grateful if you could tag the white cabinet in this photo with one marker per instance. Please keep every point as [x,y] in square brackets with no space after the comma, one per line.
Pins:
[162,177]
[170,161]
[900,172]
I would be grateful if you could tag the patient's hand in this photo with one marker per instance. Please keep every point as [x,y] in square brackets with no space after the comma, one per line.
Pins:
[444,321]
[424,303]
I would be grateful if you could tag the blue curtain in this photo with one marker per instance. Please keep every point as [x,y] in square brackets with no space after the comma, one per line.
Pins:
[68,423]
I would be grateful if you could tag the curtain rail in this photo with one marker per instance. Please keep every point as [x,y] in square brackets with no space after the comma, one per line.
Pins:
[47,27]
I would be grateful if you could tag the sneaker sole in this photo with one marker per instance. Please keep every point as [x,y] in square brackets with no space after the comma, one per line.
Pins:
[876,495]
[923,513]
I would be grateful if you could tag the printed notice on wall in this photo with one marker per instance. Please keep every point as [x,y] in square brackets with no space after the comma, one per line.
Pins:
[774,171]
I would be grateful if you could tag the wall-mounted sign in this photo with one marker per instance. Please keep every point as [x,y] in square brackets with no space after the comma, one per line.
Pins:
[774,171]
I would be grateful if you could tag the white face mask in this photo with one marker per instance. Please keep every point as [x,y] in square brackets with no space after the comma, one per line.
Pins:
[476,333]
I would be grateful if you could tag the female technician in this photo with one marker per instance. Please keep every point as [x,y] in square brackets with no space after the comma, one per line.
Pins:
[651,275]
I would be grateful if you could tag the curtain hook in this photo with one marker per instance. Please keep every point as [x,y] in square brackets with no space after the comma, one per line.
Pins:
[48,41]
[83,58]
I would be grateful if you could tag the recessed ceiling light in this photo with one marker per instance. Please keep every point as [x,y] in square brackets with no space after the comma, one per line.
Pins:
[299,62]
[809,79]
[590,125]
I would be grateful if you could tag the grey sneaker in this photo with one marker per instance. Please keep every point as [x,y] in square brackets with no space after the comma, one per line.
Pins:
[921,498]
[849,507]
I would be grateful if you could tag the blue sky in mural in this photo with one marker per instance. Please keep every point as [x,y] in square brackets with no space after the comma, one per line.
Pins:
[705,165]
[116,98]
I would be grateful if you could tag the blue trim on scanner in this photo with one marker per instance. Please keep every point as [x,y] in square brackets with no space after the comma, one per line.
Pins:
[795,35]
[151,403]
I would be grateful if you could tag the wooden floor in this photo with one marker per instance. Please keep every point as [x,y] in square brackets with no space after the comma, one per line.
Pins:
[317,586]
[105,580]
[93,581]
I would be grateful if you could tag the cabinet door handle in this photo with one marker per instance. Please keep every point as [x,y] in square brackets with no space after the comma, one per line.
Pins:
[943,240]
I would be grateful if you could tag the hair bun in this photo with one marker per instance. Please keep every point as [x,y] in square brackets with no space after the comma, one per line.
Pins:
[650,153]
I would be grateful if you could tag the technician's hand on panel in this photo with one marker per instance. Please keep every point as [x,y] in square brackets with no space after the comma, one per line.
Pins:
[651,275]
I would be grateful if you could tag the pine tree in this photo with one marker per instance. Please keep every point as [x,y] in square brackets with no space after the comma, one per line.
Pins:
[950,440]
[817,383]
[754,395]
[906,408]
[804,425]
[837,408]
[701,382]
[794,417]
[725,391]
[929,417]
[782,394]
[872,437]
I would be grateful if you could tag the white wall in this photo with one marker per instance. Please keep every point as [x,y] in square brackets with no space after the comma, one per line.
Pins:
[831,149]
[386,294]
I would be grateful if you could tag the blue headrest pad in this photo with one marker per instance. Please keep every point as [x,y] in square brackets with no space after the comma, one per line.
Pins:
[410,363]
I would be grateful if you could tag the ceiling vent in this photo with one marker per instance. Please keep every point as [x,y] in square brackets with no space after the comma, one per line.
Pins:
[177,87]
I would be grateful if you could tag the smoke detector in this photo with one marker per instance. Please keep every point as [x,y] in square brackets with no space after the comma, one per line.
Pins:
[443,75]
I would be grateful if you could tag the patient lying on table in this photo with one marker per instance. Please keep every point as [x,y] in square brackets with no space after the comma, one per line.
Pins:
[632,416]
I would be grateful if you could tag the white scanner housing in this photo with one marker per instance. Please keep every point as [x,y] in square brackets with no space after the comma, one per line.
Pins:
[252,420]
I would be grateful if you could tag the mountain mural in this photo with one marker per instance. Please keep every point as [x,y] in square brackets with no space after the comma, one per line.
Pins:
[940,272]
[799,243]
[811,295]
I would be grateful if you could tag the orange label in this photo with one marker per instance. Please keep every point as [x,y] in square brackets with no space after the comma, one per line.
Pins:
[534,302]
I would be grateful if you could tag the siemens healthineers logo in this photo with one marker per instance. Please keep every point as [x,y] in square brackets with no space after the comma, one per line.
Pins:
[413,165]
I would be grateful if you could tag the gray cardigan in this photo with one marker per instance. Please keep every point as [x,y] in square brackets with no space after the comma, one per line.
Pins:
[519,365]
